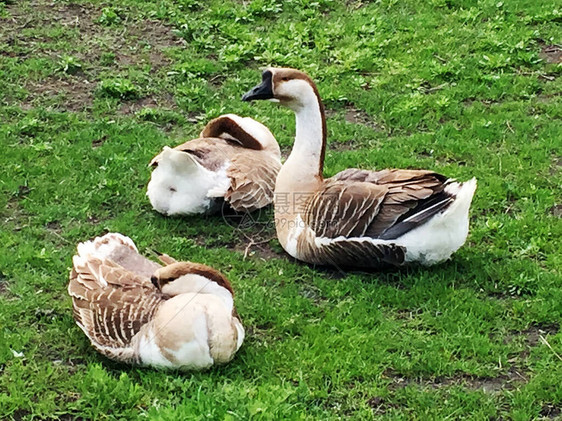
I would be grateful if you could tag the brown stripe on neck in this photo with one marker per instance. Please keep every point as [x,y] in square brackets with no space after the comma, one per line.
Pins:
[175,270]
[297,74]
[324,134]
[222,125]
[213,275]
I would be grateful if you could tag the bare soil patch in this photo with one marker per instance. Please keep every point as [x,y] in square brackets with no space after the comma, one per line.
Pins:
[380,405]
[533,333]
[551,411]
[556,165]
[551,53]
[77,92]
[158,101]
[356,116]
[260,245]
[133,43]
[509,380]
[556,210]
[342,146]
[467,102]
[14,215]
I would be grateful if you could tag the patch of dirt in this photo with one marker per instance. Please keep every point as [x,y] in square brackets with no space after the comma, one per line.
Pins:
[259,246]
[380,405]
[355,4]
[96,143]
[54,226]
[408,314]
[556,210]
[258,241]
[467,102]
[356,116]
[341,146]
[131,107]
[556,165]
[94,220]
[534,332]
[217,81]
[132,43]
[77,92]
[261,333]
[255,234]
[13,215]
[551,411]
[551,53]
[157,34]
[509,380]
[20,414]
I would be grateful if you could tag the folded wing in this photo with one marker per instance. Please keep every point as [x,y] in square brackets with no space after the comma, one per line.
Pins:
[111,304]
[376,204]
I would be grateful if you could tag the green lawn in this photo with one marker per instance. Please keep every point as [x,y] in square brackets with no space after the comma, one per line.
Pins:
[91,90]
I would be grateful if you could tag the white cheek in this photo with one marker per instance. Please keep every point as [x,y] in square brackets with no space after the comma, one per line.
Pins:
[273,100]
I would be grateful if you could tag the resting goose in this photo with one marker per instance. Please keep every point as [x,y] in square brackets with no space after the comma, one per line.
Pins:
[133,310]
[357,218]
[234,158]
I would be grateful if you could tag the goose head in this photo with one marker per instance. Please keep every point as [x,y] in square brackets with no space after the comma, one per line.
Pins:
[185,277]
[290,87]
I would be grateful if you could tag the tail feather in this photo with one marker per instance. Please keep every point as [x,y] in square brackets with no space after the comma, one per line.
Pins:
[456,197]
[116,248]
[464,192]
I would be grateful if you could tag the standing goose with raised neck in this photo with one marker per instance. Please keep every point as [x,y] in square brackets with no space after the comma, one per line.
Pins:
[136,311]
[235,159]
[358,218]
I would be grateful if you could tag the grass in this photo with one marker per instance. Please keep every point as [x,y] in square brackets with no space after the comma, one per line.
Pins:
[91,90]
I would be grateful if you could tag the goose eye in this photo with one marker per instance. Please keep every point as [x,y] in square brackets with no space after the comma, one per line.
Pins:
[285,79]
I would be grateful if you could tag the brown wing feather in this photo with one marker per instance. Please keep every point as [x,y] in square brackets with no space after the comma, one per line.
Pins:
[211,152]
[124,254]
[344,208]
[345,253]
[111,305]
[360,203]
[225,125]
[252,183]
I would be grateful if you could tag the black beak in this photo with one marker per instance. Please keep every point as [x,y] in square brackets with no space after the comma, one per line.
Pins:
[154,281]
[263,90]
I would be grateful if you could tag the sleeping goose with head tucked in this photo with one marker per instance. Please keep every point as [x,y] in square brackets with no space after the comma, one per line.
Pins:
[133,310]
[357,218]
[235,159]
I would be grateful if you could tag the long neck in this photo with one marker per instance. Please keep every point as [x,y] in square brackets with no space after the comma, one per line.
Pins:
[306,160]
[310,139]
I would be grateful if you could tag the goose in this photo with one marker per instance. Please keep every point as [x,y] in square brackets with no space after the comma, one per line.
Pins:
[357,218]
[235,159]
[136,311]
